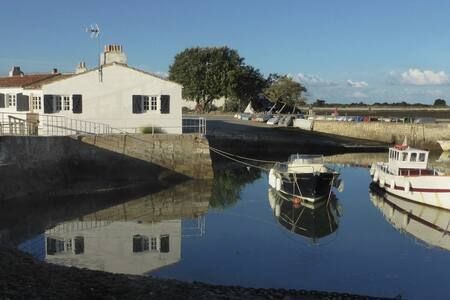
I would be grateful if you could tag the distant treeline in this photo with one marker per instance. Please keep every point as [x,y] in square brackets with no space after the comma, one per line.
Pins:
[323,103]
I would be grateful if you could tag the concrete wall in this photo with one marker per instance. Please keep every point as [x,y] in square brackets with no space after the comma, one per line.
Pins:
[419,135]
[185,154]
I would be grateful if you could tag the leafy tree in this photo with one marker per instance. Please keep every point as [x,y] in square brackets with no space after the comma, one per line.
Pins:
[283,89]
[205,73]
[439,102]
[248,83]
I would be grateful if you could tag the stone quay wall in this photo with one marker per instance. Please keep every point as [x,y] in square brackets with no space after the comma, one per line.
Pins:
[187,154]
[418,135]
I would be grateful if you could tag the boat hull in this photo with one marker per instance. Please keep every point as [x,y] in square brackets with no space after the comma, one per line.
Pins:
[428,190]
[311,187]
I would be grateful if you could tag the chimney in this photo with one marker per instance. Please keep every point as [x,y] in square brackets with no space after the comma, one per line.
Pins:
[54,71]
[81,68]
[15,71]
[113,54]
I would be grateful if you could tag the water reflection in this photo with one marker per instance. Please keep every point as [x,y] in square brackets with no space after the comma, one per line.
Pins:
[424,223]
[133,238]
[311,220]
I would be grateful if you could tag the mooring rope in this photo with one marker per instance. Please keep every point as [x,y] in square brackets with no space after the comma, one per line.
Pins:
[243,157]
[239,161]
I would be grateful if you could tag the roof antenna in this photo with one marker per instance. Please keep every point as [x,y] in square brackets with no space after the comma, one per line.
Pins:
[94,31]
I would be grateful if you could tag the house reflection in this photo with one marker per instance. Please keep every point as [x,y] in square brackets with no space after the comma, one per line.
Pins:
[135,237]
[427,224]
[313,221]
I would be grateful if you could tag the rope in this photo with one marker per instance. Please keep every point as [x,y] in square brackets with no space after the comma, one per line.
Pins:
[241,162]
[243,157]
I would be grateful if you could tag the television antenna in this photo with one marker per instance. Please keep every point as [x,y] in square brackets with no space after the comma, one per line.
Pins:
[94,32]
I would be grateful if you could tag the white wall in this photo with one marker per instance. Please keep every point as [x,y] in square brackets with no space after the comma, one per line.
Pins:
[109,247]
[110,101]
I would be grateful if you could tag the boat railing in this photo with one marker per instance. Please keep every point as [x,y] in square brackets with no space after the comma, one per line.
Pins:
[419,172]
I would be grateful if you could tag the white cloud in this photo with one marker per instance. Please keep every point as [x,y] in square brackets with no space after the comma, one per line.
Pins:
[357,84]
[314,80]
[426,77]
[359,95]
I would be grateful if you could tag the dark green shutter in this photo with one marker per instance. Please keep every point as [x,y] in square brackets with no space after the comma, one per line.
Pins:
[165,104]
[164,246]
[79,244]
[48,104]
[77,104]
[23,102]
[2,100]
[137,243]
[137,104]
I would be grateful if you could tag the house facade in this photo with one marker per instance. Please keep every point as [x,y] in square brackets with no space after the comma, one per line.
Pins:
[120,96]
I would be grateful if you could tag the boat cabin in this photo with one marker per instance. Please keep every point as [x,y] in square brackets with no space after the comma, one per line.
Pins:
[407,161]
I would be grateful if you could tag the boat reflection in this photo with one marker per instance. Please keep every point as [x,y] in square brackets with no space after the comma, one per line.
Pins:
[311,220]
[135,237]
[428,224]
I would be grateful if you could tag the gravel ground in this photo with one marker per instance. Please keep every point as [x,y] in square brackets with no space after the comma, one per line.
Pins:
[21,277]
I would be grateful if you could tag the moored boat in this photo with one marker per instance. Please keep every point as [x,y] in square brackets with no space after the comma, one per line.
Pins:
[407,175]
[305,177]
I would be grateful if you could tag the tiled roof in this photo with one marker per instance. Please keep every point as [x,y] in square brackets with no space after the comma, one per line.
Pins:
[25,80]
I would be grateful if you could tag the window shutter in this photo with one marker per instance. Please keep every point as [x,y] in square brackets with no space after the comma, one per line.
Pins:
[23,102]
[77,104]
[2,100]
[165,104]
[137,243]
[48,104]
[137,104]
[164,246]
[79,244]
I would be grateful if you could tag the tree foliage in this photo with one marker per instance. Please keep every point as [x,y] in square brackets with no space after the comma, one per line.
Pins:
[206,73]
[284,89]
[439,102]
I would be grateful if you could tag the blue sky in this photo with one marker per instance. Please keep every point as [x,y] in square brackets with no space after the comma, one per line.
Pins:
[343,51]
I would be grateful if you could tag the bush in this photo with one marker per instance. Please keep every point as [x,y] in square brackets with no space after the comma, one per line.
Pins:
[152,129]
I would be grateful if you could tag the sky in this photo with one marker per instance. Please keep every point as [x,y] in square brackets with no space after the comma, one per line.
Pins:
[342,51]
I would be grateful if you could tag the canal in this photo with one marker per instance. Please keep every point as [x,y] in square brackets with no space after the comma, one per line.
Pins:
[234,230]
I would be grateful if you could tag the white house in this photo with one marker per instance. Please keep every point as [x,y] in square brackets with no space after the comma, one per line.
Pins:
[115,94]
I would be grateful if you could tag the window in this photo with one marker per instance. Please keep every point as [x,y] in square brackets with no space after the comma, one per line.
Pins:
[69,245]
[164,246]
[422,157]
[413,157]
[146,102]
[404,156]
[140,243]
[36,102]
[11,99]
[66,102]
[79,244]
[154,102]
[153,244]
[54,246]
[58,103]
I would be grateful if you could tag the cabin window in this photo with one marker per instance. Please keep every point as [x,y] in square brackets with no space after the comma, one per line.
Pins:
[413,157]
[404,156]
[36,102]
[422,157]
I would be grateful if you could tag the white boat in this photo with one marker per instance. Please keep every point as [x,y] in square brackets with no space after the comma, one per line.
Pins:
[407,175]
[427,224]
[305,177]
[445,145]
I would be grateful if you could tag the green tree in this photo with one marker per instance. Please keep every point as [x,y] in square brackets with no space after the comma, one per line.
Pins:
[205,73]
[247,84]
[283,89]
[439,102]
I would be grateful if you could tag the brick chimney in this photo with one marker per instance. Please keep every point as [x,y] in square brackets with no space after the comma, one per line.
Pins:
[113,54]
[15,71]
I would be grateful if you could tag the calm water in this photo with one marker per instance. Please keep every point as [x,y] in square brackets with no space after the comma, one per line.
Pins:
[231,232]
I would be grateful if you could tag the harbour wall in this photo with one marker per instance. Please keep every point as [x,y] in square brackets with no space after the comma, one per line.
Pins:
[418,135]
[60,166]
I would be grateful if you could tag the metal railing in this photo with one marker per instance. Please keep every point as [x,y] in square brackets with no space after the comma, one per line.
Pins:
[50,125]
